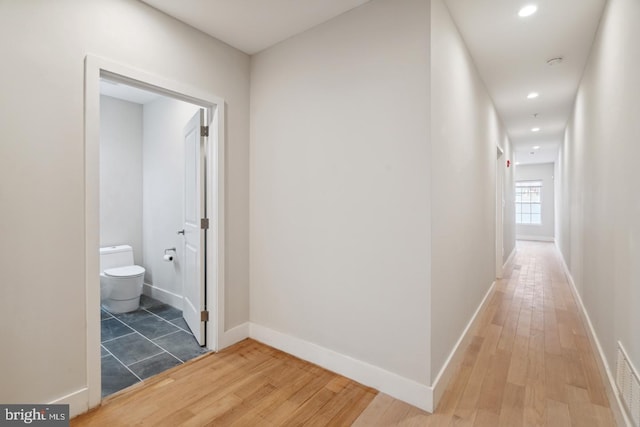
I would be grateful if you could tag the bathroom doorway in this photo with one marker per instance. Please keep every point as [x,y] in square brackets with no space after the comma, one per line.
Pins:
[152,171]
[156,180]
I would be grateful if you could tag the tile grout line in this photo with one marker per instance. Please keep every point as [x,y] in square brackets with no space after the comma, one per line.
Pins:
[151,312]
[165,335]
[120,361]
[159,346]
[119,336]
[149,357]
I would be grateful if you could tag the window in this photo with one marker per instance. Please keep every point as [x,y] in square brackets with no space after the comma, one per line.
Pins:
[528,202]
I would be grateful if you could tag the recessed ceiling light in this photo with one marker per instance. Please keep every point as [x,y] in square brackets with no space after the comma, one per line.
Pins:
[527,10]
[535,129]
[517,163]
[536,147]
[533,95]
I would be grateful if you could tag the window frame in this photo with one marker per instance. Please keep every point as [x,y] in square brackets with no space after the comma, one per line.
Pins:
[533,183]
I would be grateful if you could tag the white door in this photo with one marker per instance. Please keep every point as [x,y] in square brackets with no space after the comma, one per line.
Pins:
[193,271]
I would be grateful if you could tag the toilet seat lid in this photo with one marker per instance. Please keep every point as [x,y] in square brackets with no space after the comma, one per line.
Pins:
[127,271]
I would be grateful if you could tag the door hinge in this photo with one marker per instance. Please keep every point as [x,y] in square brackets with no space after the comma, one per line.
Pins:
[204,130]
[204,223]
[204,316]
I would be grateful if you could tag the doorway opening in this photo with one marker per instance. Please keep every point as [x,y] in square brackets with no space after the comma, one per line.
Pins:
[152,199]
[154,173]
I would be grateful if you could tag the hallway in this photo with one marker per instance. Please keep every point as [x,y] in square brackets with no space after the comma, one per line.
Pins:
[529,362]
[533,353]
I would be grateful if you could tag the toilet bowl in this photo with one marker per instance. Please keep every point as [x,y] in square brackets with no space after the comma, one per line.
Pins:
[120,280]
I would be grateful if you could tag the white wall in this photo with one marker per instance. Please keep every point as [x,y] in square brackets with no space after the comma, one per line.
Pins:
[543,172]
[43,47]
[599,232]
[121,174]
[465,131]
[163,184]
[340,186]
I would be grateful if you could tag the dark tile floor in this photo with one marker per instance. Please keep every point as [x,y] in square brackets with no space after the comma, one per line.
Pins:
[143,343]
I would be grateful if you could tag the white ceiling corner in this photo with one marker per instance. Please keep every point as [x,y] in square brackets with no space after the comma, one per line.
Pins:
[253,25]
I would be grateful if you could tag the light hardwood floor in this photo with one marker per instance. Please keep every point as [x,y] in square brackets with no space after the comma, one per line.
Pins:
[248,384]
[529,362]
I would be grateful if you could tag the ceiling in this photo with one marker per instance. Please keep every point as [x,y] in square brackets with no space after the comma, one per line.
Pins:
[253,25]
[511,52]
[126,92]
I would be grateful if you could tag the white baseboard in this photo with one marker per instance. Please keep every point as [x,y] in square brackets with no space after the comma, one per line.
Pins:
[414,393]
[163,295]
[456,355]
[78,402]
[536,238]
[234,335]
[510,258]
[618,410]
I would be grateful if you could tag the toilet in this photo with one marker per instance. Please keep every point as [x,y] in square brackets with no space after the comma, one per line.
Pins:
[120,280]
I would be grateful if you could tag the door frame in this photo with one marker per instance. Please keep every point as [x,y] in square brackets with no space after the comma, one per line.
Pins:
[95,68]
[499,211]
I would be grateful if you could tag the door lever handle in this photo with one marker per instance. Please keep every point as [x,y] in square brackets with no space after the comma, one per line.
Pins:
[181,231]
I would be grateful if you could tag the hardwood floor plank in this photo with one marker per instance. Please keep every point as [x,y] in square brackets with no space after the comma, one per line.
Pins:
[519,361]
[555,379]
[374,411]
[456,386]
[468,401]
[534,404]
[308,409]
[486,418]
[512,411]
[604,416]
[349,413]
[557,414]
[551,334]
[575,373]
[535,358]
[580,407]
[493,386]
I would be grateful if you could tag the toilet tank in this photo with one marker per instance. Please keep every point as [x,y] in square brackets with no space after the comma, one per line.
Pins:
[115,256]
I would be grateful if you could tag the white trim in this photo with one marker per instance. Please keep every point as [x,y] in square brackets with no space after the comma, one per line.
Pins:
[92,227]
[163,295]
[536,238]
[412,392]
[215,206]
[456,355]
[234,335]
[511,255]
[77,401]
[500,178]
[618,410]
[95,67]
